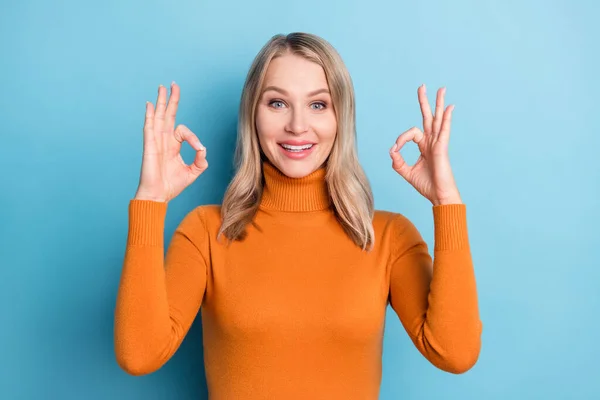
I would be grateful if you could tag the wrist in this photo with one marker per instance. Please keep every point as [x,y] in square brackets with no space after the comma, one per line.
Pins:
[141,196]
[453,200]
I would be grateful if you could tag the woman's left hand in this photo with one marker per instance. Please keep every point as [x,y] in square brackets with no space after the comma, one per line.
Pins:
[431,175]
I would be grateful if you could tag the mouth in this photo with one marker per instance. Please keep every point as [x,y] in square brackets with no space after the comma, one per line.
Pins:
[296,148]
[297,152]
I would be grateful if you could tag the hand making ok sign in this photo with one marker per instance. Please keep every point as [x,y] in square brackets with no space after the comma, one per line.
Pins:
[431,175]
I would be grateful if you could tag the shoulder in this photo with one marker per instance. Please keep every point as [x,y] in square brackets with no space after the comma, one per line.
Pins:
[396,226]
[201,218]
[391,220]
[206,214]
[209,212]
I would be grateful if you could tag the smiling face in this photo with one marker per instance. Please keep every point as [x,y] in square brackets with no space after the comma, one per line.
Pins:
[295,119]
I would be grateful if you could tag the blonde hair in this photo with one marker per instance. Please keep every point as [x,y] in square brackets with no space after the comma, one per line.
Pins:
[347,184]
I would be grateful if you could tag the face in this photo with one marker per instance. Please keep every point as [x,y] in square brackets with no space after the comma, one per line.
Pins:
[295,119]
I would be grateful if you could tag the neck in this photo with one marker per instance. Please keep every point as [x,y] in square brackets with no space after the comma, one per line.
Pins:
[282,193]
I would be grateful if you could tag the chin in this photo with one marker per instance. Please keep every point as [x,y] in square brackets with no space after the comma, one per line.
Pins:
[297,168]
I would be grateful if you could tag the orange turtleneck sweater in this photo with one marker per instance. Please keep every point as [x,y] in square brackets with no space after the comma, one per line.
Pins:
[296,310]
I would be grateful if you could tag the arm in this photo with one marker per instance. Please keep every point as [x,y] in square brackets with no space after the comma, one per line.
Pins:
[158,298]
[436,301]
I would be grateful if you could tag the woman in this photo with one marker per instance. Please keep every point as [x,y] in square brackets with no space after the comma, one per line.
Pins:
[294,271]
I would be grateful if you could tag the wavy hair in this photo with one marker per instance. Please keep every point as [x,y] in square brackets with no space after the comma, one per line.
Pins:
[348,186]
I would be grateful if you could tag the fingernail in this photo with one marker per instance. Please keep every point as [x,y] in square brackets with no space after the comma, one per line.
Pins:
[172,83]
[394,147]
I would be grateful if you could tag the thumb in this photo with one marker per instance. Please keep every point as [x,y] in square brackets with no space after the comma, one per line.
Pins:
[398,163]
[200,163]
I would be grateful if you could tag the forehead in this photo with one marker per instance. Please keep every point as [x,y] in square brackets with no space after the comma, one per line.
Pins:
[295,73]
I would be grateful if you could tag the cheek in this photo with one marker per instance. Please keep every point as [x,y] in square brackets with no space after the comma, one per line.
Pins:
[328,129]
[265,126]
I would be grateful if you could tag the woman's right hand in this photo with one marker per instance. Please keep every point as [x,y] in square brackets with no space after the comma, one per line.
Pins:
[164,174]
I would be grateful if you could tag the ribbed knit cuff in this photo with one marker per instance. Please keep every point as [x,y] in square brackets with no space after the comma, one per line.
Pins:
[146,223]
[450,227]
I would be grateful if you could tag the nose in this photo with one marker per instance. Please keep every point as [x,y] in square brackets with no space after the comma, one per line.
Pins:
[297,123]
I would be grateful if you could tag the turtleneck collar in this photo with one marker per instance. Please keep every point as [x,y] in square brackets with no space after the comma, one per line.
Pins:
[282,193]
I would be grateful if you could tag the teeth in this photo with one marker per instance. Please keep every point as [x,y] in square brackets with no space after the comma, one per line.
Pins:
[296,148]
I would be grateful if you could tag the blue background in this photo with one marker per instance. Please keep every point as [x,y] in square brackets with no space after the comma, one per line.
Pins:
[524,146]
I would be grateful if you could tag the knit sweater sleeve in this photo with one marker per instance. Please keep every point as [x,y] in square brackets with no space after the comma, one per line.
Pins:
[436,300]
[158,297]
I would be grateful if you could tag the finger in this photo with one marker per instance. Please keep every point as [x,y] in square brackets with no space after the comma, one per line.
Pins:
[161,105]
[425,109]
[446,122]
[183,133]
[172,106]
[439,111]
[398,162]
[149,141]
[199,165]
[149,119]
[414,134]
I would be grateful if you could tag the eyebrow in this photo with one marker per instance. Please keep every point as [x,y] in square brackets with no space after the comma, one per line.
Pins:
[280,90]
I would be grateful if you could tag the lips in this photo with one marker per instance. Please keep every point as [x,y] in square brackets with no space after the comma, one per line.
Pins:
[296,148]
[295,151]
[296,142]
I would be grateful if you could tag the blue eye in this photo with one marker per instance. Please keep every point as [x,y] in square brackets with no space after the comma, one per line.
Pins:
[275,101]
[319,103]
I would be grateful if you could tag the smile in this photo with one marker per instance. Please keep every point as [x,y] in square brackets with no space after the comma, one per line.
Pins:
[297,152]
[296,148]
